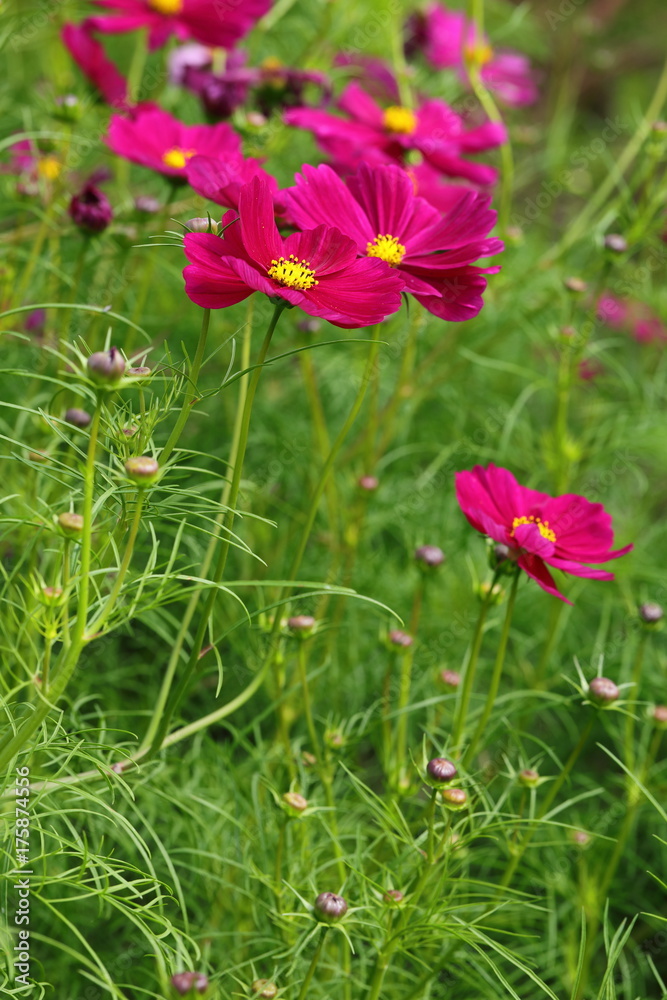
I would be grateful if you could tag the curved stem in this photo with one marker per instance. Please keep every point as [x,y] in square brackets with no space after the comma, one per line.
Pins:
[97,623]
[471,666]
[497,673]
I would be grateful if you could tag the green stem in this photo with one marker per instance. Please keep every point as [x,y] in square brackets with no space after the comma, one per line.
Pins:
[546,805]
[307,706]
[630,719]
[228,522]
[191,392]
[213,542]
[471,666]
[303,992]
[12,744]
[497,674]
[97,623]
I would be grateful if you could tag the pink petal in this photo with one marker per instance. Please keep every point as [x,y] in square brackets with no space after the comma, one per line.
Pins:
[259,231]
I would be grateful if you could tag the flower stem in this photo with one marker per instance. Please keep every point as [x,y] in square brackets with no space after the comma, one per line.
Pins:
[471,666]
[191,392]
[497,673]
[227,524]
[629,753]
[97,623]
[303,992]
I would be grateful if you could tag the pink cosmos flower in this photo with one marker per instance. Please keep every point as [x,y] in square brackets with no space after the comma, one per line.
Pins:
[317,270]
[156,140]
[372,135]
[379,210]
[212,22]
[448,36]
[562,532]
[634,317]
[92,60]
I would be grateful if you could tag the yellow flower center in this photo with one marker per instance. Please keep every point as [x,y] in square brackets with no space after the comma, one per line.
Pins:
[271,63]
[479,54]
[293,273]
[399,119]
[542,526]
[386,248]
[177,158]
[49,167]
[166,6]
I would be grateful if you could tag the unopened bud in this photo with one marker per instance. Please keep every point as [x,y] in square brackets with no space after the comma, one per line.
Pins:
[616,243]
[454,798]
[77,417]
[399,638]
[334,739]
[70,524]
[329,907]
[430,556]
[147,205]
[450,678]
[202,226]
[142,470]
[368,483]
[529,778]
[106,367]
[576,285]
[393,897]
[581,838]
[308,759]
[296,804]
[184,982]
[264,988]
[141,371]
[51,595]
[440,771]
[301,625]
[651,613]
[602,691]
[660,716]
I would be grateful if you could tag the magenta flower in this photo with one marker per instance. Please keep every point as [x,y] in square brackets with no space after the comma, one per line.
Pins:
[448,37]
[91,58]
[210,22]
[317,270]
[90,209]
[372,135]
[634,317]
[156,140]
[562,532]
[221,180]
[379,210]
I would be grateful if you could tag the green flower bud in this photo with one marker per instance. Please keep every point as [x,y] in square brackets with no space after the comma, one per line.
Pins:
[454,798]
[528,778]
[602,691]
[106,368]
[264,988]
[70,524]
[142,470]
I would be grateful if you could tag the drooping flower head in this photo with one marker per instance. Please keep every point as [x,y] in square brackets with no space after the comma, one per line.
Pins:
[371,134]
[90,209]
[212,22]
[540,531]
[156,140]
[318,270]
[378,209]
[448,38]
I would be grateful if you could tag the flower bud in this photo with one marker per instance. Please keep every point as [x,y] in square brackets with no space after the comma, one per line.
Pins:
[660,716]
[368,483]
[309,325]
[35,322]
[203,226]
[295,803]
[430,556]
[302,625]
[393,897]
[141,371]
[106,367]
[142,470]
[91,210]
[576,285]
[450,678]
[650,612]
[602,691]
[528,778]
[329,907]
[184,982]
[454,798]
[308,759]
[67,108]
[399,638]
[147,205]
[440,771]
[616,243]
[264,988]
[51,595]
[70,524]
[334,739]
[78,418]
[581,838]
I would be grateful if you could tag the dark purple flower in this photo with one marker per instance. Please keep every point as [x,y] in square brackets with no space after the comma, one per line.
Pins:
[90,209]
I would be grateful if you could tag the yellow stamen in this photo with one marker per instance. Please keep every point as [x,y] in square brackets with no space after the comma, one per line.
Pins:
[293,273]
[386,248]
[271,62]
[479,54]
[399,119]
[49,167]
[166,6]
[542,526]
[177,158]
